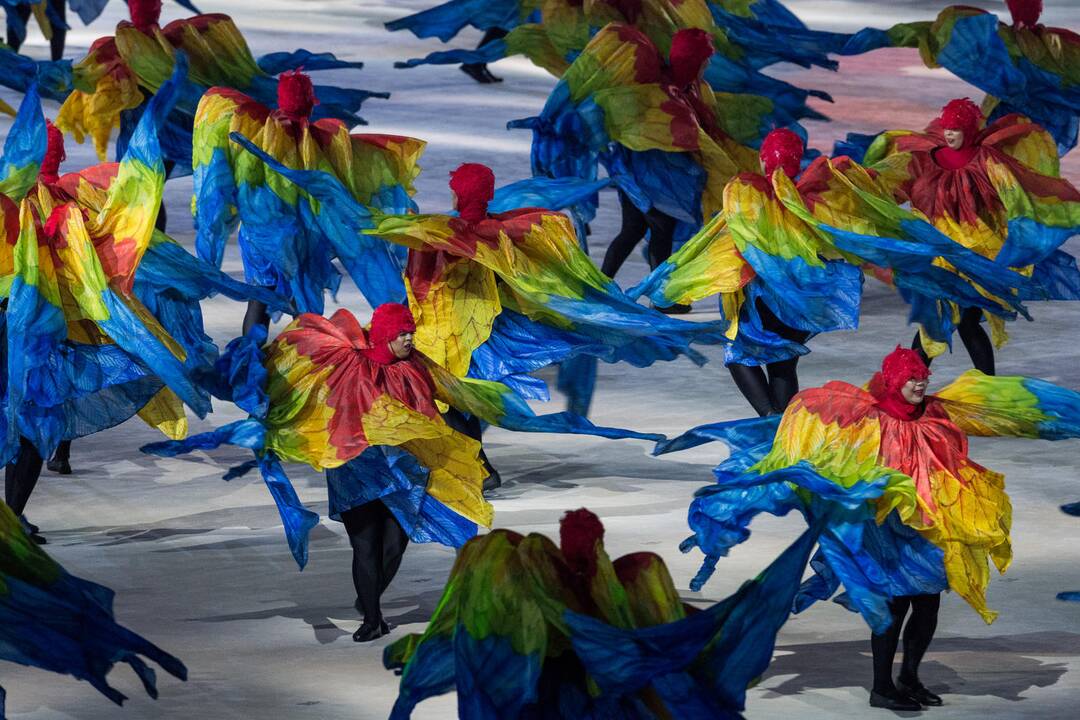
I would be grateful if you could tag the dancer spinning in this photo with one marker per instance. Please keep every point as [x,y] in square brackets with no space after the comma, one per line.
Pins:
[995,190]
[1023,67]
[114,80]
[786,256]
[281,244]
[908,513]
[525,627]
[102,315]
[655,126]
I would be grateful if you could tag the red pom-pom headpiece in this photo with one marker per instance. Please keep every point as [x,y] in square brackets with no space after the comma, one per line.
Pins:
[1025,13]
[962,114]
[579,531]
[54,154]
[296,95]
[387,322]
[782,148]
[902,365]
[474,186]
[144,13]
[690,50]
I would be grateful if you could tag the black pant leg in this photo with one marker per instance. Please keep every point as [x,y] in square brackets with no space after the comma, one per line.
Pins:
[976,340]
[634,227]
[364,524]
[918,634]
[56,43]
[21,476]
[394,542]
[884,645]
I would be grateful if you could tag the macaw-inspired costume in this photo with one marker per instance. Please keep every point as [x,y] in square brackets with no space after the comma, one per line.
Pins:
[798,244]
[281,243]
[84,351]
[324,391]
[654,123]
[464,272]
[1023,67]
[47,18]
[747,38]
[908,512]
[120,71]
[1000,195]
[55,621]
[528,627]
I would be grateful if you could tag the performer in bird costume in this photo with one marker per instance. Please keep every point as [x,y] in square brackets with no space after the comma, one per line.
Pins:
[786,257]
[102,316]
[655,125]
[113,81]
[995,189]
[1023,66]
[55,621]
[907,512]
[326,390]
[747,37]
[52,18]
[499,294]
[526,626]
[280,240]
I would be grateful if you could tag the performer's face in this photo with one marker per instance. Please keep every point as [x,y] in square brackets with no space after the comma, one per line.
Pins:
[914,390]
[954,138]
[402,345]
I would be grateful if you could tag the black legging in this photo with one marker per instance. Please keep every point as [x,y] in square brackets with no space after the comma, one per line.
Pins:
[975,340]
[56,44]
[378,544]
[21,476]
[770,389]
[635,224]
[257,314]
[918,633]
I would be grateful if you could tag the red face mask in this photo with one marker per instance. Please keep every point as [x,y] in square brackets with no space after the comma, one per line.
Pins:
[296,95]
[691,49]
[54,155]
[782,148]
[388,321]
[144,13]
[1025,13]
[898,367]
[579,531]
[474,186]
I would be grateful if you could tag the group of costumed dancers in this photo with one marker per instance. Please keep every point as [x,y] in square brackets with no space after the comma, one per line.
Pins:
[965,219]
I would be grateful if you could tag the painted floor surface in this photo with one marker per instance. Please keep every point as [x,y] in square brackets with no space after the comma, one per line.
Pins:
[201,568]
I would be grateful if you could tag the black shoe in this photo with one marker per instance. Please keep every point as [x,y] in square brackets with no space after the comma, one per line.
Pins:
[491,78]
[32,531]
[493,481]
[63,467]
[918,692]
[370,631]
[676,309]
[893,701]
[478,72]
[386,627]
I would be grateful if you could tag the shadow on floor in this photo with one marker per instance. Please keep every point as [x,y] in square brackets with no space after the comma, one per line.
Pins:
[998,667]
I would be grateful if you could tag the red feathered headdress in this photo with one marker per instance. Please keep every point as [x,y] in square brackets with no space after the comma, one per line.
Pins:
[54,154]
[474,186]
[296,95]
[144,13]
[690,50]
[579,531]
[962,114]
[782,148]
[1025,13]
[387,322]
